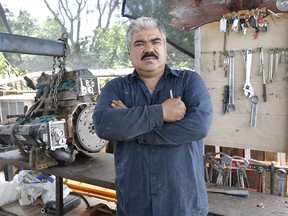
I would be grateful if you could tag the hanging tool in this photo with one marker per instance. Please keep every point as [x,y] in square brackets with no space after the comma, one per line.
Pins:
[214,164]
[260,180]
[281,176]
[225,98]
[253,120]
[276,62]
[282,56]
[262,73]
[286,64]
[248,90]
[241,171]
[226,163]
[231,104]
[270,65]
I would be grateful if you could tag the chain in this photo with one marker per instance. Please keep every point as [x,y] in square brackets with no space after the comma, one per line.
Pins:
[52,77]
[56,80]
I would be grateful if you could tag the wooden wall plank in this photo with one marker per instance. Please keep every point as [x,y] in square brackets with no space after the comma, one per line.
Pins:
[233,129]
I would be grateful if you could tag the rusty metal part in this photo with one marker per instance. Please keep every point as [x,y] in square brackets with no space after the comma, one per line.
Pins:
[190,14]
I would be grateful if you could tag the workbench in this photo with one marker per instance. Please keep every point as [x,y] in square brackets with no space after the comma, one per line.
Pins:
[98,169]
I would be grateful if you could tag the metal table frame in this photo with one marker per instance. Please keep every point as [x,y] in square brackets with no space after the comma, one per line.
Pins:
[96,169]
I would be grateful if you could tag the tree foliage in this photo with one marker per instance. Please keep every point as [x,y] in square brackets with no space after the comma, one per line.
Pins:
[7,70]
[105,47]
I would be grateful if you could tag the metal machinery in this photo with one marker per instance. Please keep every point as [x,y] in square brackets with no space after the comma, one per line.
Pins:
[59,124]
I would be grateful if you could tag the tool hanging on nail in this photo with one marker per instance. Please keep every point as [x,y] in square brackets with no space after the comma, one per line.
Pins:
[276,62]
[262,73]
[270,65]
[286,64]
[254,110]
[231,104]
[225,99]
[248,90]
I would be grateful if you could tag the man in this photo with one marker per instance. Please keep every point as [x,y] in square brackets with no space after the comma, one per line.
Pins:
[156,118]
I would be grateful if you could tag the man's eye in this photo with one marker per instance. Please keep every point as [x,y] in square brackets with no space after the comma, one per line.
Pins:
[139,44]
[156,43]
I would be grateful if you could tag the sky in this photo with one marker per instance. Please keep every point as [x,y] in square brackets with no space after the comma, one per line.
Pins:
[38,10]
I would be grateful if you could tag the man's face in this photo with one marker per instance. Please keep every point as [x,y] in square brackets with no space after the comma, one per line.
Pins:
[148,51]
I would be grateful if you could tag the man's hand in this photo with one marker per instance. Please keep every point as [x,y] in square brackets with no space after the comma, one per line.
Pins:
[174,109]
[118,104]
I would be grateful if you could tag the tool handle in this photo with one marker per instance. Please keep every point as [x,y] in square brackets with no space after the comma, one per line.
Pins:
[234,192]
[264,92]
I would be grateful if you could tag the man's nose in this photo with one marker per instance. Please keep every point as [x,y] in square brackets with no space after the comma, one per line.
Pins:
[148,46]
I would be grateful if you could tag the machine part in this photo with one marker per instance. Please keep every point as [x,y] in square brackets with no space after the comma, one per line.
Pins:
[86,86]
[87,139]
[282,5]
[49,135]
[45,132]
[231,104]
[248,90]
[57,135]
[38,159]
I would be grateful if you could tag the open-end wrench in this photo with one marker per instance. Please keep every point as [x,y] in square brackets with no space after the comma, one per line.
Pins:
[262,73]
[248,90]
[241,171]
[254,110]
[243,53]
[281,176]
[276,62]
[270,64]
[286,64]
[282,56]
[231,104]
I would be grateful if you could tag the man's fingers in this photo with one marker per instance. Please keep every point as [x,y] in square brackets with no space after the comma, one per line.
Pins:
[118,104]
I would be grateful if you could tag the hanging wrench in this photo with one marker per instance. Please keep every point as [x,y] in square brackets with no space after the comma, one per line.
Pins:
[253,120]
[231,104]
[241,171]
[270,63]
[281,176]
[286,64]
[248,90]
[276,62]
[262,73]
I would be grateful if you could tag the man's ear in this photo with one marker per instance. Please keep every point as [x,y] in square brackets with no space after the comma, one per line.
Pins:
[128,52]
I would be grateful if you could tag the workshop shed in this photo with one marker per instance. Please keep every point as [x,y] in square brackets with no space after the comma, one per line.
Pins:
[256,124]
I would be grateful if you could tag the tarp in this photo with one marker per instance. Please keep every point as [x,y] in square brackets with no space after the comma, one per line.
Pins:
[159,9]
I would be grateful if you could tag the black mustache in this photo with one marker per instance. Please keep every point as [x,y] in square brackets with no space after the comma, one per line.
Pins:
[149,54]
